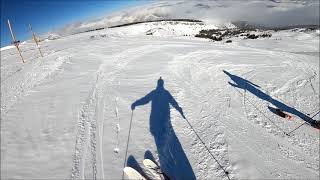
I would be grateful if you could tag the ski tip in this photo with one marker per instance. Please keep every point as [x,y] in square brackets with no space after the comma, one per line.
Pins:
[131,173]
[148,160]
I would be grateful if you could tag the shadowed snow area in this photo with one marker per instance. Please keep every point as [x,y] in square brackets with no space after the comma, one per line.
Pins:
[67,115]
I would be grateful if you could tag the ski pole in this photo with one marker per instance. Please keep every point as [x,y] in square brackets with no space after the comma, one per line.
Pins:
[125,158]
[314,112]
[300,125]
[225,171]
[261,112]
[295,128]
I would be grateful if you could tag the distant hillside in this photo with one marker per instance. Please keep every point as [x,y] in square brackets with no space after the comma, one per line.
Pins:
[248,26]
[280,13]
[160,20]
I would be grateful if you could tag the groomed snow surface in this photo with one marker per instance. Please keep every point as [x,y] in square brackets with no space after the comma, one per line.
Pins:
[67,114]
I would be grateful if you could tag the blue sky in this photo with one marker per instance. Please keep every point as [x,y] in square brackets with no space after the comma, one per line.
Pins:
[46,15]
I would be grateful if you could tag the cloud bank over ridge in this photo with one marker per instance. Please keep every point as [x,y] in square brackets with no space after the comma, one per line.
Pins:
[270,13]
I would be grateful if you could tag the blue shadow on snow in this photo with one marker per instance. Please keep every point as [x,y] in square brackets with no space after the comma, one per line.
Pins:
[253,88]
[173,161]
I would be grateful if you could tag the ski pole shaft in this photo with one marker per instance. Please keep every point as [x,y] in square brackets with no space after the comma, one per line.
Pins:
[226,172]
[296,128]
[315,114]
[300,125]
[125,158]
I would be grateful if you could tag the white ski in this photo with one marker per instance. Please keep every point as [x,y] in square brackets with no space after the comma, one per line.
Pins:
[132,174]
[153,171]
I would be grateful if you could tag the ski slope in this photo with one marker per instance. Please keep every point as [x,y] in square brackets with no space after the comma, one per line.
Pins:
[66,115]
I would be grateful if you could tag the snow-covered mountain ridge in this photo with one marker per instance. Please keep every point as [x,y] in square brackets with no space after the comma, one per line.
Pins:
[279,13]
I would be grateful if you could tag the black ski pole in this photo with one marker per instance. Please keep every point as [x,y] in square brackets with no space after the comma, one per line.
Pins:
[315,114]
[225,171]
[300,125]
[125,158]
[288,134]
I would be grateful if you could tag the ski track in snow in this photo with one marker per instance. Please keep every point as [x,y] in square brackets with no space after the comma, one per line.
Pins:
[26,77]
[85,162]
[86,137]
[204,120]
[308,161]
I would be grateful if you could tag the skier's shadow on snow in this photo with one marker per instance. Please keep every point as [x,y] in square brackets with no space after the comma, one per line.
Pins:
[253,88]
[173,161]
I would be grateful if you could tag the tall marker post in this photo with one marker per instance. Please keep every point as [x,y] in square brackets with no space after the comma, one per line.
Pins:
[15,42]
[35,40]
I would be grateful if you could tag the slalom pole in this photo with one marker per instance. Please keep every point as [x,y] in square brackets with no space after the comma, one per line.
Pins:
[225,171]
[125,158]
[35,40]
[300,125]
[15,42]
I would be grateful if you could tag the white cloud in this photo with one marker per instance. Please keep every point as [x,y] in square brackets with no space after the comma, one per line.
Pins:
[267,13]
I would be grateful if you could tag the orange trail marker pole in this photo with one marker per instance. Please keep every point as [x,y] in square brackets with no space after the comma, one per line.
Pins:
[35,40]
[16,43]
